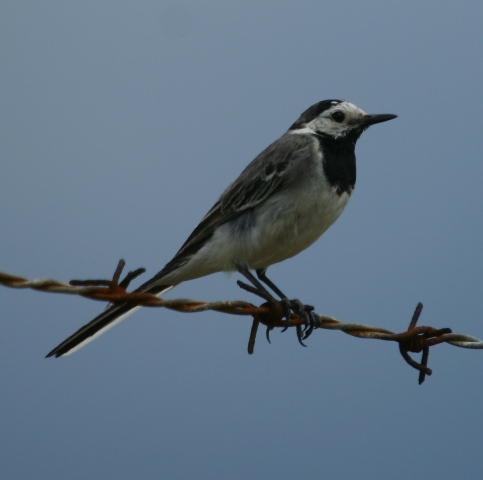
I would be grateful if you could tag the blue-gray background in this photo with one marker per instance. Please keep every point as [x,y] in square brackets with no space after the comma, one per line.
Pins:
[121,123]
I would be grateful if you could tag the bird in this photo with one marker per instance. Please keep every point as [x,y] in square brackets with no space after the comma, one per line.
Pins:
[280,204]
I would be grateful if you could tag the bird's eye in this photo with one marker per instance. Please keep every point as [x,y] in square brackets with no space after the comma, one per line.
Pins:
[338,116]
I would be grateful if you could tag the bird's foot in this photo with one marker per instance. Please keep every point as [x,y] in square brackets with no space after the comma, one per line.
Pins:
[262,292]
[304,311]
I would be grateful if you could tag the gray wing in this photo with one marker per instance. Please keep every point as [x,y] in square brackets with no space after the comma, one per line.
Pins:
[270,172]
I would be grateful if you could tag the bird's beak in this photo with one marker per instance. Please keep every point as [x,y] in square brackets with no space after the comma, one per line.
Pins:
[373,119]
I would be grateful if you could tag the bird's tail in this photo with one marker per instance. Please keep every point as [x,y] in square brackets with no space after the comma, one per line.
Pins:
[99,325]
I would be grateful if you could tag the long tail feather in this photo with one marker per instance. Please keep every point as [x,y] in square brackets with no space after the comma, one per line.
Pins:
[99,325]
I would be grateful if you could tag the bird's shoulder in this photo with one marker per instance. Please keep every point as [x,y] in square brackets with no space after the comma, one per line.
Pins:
[270,171]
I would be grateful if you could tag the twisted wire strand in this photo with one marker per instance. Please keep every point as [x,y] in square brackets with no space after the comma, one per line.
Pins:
[414,339]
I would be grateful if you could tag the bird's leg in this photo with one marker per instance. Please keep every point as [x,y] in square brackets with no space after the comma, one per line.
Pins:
[296,306]
[262,275]
[264,293]
[257,289]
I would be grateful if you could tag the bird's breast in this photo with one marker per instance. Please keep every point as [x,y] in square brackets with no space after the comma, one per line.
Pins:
[291,221]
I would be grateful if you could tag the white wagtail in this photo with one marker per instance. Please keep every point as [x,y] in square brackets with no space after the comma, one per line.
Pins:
[281,203]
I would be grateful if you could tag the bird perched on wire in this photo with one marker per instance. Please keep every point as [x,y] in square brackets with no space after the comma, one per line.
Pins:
[283,201]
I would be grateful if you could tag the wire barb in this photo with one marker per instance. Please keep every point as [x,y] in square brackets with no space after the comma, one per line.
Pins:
[272,314]
[417,341]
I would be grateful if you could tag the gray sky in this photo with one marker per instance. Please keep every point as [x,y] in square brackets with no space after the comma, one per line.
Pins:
[122,122]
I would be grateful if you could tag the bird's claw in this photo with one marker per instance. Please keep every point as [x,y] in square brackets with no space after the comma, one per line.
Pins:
[305,311]
[313,322]
[287,312]
[300,335]
[267,334]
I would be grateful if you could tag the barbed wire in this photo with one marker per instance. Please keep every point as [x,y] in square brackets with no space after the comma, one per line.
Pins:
[271,314]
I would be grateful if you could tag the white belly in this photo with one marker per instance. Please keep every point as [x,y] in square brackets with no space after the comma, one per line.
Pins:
[283,226]
[294,227]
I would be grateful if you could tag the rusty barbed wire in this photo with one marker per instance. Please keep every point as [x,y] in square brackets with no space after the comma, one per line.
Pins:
[271,314]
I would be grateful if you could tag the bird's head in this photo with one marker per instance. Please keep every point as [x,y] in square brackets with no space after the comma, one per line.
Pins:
[337,118]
